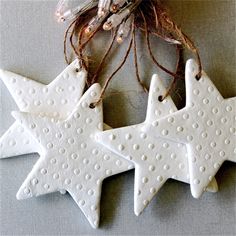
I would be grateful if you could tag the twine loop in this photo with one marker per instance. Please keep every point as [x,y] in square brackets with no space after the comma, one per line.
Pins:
[148,17]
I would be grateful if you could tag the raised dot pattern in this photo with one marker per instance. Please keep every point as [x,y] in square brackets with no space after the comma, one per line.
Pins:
[208,128]
[72,161]
[37,98]
[155,159]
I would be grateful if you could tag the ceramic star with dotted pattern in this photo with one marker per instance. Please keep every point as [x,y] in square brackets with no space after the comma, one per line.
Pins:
[155,159]
[31,96]
[206,125]
[72,160]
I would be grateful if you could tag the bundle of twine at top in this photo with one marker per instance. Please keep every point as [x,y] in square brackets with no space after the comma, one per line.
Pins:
[123,18]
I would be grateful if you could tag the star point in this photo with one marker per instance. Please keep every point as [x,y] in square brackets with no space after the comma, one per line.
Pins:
[206,125]
[156,159]
[72,160]
[34,97]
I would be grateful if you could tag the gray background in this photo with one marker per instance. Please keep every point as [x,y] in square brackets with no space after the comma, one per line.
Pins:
[31,45]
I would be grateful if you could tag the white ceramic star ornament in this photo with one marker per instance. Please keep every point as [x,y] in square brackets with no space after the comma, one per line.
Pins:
[72,160]
[155,159]
[207,125]
[31,96]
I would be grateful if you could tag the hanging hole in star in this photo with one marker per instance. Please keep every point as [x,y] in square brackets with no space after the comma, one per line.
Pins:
[160,98]
[198,76]
[92,105]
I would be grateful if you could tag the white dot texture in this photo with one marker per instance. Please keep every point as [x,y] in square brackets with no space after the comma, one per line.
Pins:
[77,166]
[155,159]
[208,122]
[37,98]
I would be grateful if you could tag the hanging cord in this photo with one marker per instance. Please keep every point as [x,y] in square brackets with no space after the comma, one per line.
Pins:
[149,47]
[169,25]
[173,83]
[136,59]
[92,105]
[65,39]
[150,18]
[80,50]
[100,67]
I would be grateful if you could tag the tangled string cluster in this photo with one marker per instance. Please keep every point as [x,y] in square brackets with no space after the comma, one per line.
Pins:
[123,18]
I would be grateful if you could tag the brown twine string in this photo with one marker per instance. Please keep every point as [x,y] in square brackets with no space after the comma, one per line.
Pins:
[155,14]
[150,49]
[77,26]
[80,53]
[169,25]
[65,39]
[115,72]
[72,43]
[161,36]
[99,69]
[83,45]
[136,59]
[150,18]
[173,83]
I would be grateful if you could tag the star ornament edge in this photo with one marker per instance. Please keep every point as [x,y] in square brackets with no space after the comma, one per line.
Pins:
[113,140]
[119,165]
[24,91]
[182,130]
